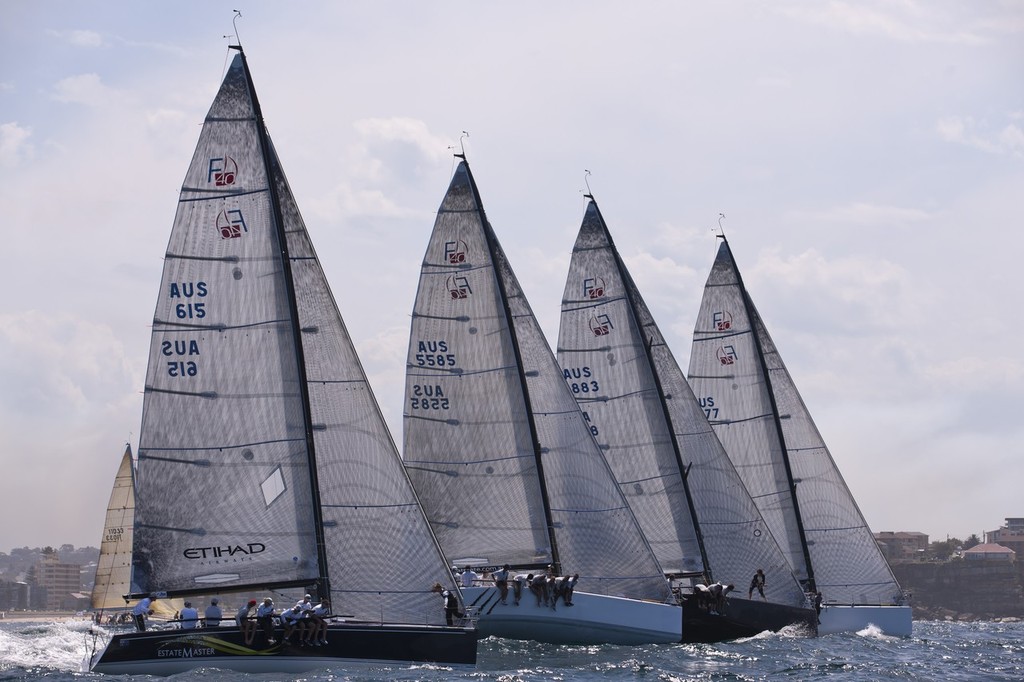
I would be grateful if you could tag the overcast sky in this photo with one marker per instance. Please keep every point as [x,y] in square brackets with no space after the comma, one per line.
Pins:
[868,157]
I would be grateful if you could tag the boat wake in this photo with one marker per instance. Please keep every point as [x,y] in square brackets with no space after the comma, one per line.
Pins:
[43,646]
[872,631]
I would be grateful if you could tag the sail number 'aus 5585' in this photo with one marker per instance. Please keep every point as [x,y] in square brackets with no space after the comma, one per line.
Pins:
[434,354]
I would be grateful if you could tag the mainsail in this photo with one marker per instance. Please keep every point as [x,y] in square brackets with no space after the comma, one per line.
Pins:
[754,406]
[264,460]
[686,494]
[114,567]
[495,444]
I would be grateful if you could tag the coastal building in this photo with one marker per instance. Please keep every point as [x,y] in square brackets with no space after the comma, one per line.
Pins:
[989,552]
[54,583]
[1010,535]
[902,545]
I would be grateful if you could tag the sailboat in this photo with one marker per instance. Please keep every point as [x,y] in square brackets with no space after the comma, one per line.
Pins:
[264,462]
[685,493]
[114,567]
[754,406]
[502,459]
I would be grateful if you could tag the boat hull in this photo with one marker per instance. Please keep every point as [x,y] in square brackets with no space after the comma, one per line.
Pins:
[895,621]
[168,652]
[592,619]
[743,618]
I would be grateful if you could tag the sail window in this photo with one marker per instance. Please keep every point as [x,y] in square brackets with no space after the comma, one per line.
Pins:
[273,486]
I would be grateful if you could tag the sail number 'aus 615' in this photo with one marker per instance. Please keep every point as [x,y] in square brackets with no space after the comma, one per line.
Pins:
[186,348]
[187,310]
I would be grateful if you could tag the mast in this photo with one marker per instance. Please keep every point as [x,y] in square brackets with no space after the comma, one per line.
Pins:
[323,582]
[647,344]
[748,307]
[492,247]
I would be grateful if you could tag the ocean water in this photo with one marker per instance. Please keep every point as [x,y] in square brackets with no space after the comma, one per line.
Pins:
[937,651]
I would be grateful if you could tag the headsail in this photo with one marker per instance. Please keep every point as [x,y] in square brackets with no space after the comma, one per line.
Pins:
[383,557]
[264,460]
[758,414]
[504,463]
[114,567]
[672,469]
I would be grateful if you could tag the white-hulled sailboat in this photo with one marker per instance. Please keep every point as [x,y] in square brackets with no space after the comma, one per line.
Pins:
[752,403]
[673,471]
[264,461]
[502,459]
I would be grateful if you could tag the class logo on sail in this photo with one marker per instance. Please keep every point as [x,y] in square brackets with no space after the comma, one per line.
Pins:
[222,171]
[601,325]
[458,287]
[455,252]
[593,288]
[726,355]
[231,223]
[722,320]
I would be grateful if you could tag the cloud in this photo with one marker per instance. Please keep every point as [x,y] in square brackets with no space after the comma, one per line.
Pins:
[79,38]
[908,22]
[84,89]
[15,146]
[863,214]
[968,132]
[407,130]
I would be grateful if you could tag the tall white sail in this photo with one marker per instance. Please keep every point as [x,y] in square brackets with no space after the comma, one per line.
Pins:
[672,469]
[263,457]
[114,566]
[753,404]
[497,448]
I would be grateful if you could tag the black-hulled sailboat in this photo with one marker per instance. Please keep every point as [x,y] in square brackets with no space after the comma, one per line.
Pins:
[264,463]
[685,493]
[502,459]
[760,418]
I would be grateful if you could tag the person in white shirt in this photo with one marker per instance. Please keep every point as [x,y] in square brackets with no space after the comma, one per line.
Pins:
[141,610]
[265,618]
[318,623]
[189,617]
[245,623]
[213,614]
[468,576]
[294,619]
[518,582]
[501,582]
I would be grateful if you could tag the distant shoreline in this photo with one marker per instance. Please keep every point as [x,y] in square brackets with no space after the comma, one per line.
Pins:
[42,616]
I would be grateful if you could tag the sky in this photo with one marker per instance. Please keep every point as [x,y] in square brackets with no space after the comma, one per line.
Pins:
[868,158]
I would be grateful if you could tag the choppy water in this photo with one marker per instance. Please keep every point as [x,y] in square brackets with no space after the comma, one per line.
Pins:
[938,651]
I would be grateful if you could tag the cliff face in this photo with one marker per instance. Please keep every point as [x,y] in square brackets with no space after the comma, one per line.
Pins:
[964,590]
